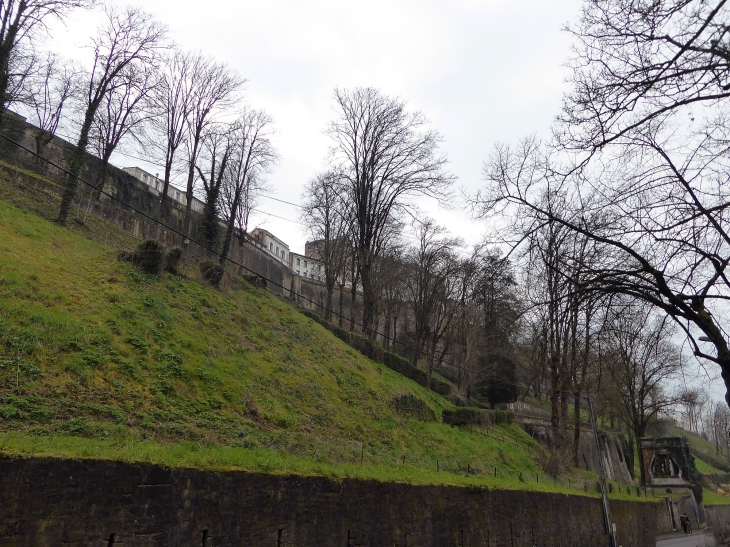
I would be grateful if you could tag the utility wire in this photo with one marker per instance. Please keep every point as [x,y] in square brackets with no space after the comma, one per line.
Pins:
[277,216]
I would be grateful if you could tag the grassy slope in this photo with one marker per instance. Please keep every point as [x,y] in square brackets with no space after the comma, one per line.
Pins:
[701,445]
[99,360]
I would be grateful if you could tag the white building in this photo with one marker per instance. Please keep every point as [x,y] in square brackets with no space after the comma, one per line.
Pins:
[156,185]
[306,266]
[271,244]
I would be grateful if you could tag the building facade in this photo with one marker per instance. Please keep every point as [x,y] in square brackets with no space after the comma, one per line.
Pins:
[271,244]
[306,266]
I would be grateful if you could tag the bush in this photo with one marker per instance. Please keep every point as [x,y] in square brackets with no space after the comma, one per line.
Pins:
[476,416]
[173,260]
[458,399]
[411,406]
[149,257]
[212,272]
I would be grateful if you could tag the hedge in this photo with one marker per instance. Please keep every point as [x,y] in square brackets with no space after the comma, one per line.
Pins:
[476,416]
[375,351]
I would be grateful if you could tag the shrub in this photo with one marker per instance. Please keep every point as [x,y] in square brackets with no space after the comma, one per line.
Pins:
[458,399]
[476,416]
[149,256]
[414,407]
[173,260]
[212,272]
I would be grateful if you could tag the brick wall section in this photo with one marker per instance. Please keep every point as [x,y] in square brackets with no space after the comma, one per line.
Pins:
[47,502]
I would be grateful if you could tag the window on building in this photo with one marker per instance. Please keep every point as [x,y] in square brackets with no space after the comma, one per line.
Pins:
[297,272]
[282,254]
[271,246]
[297,263]
[305,263]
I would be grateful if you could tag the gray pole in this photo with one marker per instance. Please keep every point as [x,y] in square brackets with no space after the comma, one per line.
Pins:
[607,520]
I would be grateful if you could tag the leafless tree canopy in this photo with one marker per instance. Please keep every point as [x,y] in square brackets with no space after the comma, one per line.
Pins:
[129,38]
[172,103]
[122,114]
[47,93]
[640,160]
[253,155]
[20,20]
[636,62]
[326,216]
[386,156]
[641,360]
[212,88]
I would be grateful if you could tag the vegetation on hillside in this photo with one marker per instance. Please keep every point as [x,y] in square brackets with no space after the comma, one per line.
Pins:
[93,349]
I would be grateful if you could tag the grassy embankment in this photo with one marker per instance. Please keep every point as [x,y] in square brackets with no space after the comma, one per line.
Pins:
[100,361]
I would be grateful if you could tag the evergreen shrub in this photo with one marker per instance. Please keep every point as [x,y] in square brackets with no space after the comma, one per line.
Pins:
[211,271]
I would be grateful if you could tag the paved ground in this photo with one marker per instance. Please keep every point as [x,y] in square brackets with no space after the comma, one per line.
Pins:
[697,539]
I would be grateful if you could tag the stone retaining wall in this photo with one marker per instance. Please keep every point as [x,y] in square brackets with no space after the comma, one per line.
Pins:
[49,502]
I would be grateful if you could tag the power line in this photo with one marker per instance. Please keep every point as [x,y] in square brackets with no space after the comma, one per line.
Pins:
[281,200]
[276,216]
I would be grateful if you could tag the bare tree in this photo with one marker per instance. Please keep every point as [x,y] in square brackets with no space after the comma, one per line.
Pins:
[392,270]
[432,283]
[253,156]
[20,21]
[385,157]
[641,361]
[646,120]
[172,98]
[213,88]
[717,425]
[217,145]
[122,114]
[47,93]
[326,217]
[693,403]
[660,225]
[127,38]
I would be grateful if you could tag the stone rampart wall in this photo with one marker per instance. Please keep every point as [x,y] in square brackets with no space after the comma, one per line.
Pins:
[47,502]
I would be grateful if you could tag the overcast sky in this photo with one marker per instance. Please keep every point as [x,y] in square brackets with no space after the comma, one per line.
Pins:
[481,71]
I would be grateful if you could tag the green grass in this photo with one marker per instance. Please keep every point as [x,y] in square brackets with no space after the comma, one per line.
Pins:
[100,360]
[705,468]
[713,498]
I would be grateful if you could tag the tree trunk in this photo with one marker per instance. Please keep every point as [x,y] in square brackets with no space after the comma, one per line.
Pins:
[230,227]
[639,433]
[191,179]
[632,449]
[340,318]
[163,200]
[101,175]
[576,428]
[5,51]
[353,296]
[554,398]
[368,302]
[75,165]
[330,300]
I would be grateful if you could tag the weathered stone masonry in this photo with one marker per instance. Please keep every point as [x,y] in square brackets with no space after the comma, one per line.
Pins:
[50,502]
